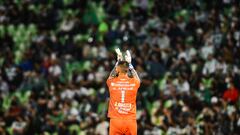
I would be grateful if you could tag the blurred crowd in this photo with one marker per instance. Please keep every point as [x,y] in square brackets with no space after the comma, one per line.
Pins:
[55,56]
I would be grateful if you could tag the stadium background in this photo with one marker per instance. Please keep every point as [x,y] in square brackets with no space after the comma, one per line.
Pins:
[55,56]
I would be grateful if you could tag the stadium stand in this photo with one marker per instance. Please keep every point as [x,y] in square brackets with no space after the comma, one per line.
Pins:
[55,56]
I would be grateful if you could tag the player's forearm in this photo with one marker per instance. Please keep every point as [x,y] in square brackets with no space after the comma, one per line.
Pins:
[113,73]
[133,72]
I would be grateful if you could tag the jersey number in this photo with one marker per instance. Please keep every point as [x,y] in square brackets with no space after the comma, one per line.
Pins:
[122,96]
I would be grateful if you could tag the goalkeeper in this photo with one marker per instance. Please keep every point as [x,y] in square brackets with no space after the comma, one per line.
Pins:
[123,84]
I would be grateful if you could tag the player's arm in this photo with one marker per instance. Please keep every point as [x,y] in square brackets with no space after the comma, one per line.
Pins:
[114,73]
[133,72]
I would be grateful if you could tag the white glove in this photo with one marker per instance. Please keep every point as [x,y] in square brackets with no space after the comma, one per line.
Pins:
[128,57]
[119,54]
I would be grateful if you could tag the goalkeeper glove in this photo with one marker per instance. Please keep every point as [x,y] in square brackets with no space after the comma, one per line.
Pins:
[128,58]
[119,54]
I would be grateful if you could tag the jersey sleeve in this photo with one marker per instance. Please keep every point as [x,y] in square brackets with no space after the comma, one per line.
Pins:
[109,80]
[137,82]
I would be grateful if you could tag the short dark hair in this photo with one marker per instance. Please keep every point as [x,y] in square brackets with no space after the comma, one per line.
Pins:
[123,66]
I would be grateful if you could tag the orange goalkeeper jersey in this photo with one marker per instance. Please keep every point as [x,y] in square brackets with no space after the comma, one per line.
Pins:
[123,93]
